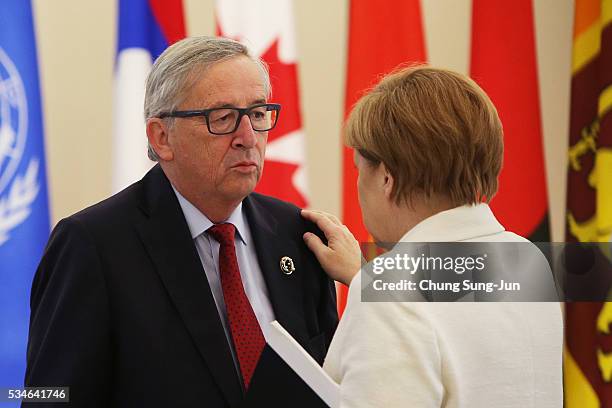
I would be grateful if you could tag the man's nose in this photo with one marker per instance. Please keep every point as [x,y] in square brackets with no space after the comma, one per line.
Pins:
[244,137]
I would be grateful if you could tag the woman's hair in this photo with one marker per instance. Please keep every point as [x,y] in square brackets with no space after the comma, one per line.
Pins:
[435,131]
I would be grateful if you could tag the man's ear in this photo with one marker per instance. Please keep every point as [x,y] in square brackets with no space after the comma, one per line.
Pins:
[157,133]
[388,181]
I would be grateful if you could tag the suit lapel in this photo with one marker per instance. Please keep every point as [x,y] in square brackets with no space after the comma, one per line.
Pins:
[271,244]
[166,237]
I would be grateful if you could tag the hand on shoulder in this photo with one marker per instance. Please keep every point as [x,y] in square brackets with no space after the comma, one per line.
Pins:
[341,257]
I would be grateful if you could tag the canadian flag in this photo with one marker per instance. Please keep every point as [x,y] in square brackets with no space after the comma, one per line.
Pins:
[267,28]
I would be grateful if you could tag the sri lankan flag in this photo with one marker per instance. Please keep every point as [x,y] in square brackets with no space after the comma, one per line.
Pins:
[588,354]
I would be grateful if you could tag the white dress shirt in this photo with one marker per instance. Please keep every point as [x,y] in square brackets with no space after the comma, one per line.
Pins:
[250,273]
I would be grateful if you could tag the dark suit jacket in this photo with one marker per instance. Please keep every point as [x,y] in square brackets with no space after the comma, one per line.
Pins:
[122,312]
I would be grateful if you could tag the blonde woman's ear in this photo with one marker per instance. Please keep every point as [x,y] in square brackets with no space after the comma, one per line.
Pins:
[388,182]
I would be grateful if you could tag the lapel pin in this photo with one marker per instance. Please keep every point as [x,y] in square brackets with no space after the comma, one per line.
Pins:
[286,265]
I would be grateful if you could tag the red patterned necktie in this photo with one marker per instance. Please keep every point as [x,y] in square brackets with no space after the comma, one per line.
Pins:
[246,333]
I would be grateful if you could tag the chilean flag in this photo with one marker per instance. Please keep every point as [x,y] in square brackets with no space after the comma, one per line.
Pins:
[267,28]
[146,29]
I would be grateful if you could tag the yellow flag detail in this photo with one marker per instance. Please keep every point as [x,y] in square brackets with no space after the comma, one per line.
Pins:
[586,47]
[578,390]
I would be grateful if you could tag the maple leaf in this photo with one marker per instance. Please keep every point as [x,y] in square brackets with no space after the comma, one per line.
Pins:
[278,176]
[277,179]
[284,91]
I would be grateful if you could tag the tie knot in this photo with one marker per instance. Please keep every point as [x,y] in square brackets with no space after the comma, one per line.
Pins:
[223,233]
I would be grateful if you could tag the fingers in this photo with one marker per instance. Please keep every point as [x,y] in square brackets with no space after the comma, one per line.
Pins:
[326,222]
[341,258]
[316,214]
[314,243]
[329,216]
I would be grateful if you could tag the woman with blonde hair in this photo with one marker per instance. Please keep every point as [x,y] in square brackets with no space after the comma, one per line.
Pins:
[429,148]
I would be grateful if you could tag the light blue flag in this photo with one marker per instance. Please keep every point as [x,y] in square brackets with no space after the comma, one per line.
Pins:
[24,210]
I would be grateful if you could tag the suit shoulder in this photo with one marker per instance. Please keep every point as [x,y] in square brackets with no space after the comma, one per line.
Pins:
[285,213]
[115,206]
[272,203]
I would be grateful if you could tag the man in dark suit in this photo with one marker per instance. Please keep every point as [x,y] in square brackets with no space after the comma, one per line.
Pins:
[161,294]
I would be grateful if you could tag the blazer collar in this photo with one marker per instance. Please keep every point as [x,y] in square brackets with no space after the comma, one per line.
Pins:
[166,237]
[457,224]
[273,243]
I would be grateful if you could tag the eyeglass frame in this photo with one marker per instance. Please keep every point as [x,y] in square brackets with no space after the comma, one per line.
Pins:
[241,112]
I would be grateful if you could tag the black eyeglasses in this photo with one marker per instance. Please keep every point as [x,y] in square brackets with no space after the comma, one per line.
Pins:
[223,121]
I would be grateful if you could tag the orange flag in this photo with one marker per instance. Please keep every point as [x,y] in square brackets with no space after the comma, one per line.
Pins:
[504,64]
[380,38]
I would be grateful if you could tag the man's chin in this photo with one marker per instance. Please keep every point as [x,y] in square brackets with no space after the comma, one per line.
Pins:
[242,187]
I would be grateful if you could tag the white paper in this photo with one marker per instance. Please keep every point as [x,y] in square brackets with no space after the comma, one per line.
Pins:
[303,364]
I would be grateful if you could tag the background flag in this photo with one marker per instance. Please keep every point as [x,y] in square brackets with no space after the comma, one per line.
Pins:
[24,212]
[267,28]
[398,39]
[146,28]
[503,62]
[588,354]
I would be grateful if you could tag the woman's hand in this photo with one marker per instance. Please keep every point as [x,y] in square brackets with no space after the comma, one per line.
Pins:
[341,257]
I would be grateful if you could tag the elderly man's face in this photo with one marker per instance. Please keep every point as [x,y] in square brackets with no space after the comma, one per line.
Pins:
[225,168]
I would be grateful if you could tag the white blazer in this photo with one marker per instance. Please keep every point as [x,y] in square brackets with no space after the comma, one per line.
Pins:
[418,354]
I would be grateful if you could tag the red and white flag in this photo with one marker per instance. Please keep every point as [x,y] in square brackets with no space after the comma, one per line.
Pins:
[267,28]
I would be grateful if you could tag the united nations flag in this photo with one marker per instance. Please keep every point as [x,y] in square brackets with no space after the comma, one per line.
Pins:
[24,212]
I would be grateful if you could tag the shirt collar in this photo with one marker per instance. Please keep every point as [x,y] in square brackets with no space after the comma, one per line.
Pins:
[457,224]
[198,223]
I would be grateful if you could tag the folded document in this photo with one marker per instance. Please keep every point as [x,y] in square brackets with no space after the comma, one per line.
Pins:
[303,364]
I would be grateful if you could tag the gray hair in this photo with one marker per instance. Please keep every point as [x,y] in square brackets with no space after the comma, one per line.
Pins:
[171,72]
